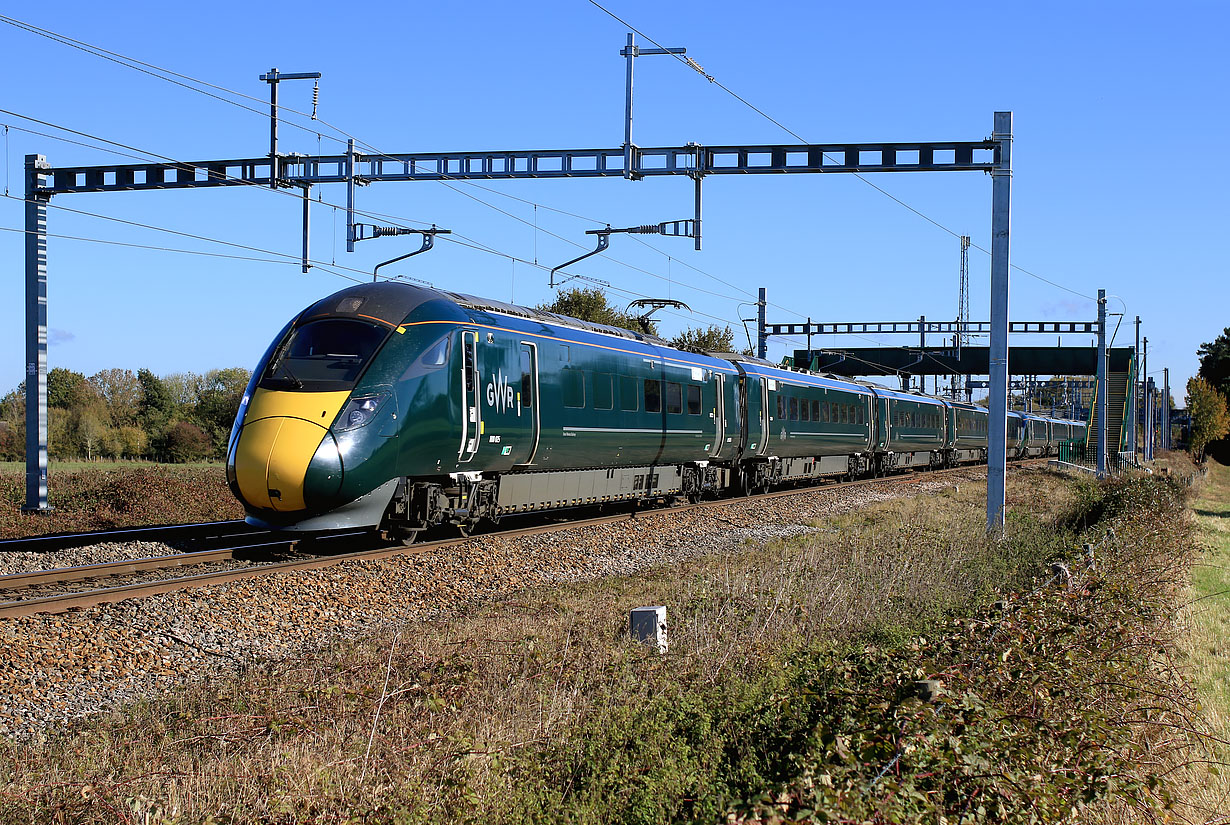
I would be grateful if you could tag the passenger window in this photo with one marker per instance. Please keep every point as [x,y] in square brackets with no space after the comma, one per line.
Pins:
[629,399]
[527,380]
[574,388]
[805,411]
[674,398]
[604,395]
[794,409]
[653,395]
[781,407]
[815,411]
[693,399]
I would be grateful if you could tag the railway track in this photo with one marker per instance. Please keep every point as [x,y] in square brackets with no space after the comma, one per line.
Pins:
[63,602]
[191,534]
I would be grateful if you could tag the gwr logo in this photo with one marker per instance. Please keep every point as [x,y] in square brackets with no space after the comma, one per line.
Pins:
[500,393]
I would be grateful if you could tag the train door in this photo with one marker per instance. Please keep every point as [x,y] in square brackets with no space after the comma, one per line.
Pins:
[719,415]
[528,397]
[755,403]
[471,407]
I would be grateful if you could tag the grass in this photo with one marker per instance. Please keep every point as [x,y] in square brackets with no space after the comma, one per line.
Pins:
[128,494]
[58,466]
[1207,645]
[789,686]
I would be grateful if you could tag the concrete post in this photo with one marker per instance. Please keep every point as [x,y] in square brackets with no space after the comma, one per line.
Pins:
[1001,222]
[36,336]
[1102,391]
[762,340]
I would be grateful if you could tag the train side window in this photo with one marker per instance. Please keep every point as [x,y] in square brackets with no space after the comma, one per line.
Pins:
[674,397]
[527,379]
[781,407]
[565,353]
[815,411]
[693,399]
[805,410]
[794,409]
[574,388]
[859,412]
[653,395]
[629,398]
[604,394]
[826,412]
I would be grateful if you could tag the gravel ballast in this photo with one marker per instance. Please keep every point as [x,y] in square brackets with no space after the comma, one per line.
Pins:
[55,668]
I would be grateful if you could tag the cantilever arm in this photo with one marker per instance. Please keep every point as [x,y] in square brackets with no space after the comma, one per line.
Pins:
[604,241]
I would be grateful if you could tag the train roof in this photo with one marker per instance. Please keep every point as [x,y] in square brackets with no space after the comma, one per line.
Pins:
[491,305]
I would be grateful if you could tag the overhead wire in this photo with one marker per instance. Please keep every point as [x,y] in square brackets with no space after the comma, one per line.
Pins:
[137,65]
[690,63]
[160,73]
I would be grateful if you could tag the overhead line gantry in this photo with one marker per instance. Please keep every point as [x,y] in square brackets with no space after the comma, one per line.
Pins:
[990,155]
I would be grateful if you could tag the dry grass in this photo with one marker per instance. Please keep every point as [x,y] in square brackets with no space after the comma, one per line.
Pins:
[538,708]
[1206,644]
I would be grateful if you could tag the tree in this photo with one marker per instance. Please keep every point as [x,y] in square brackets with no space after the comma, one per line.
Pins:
[217,401]
[1215,362]
[712,339]
[1209,414]
[184,442]
[122,392]
[156,405]
[589,304]
[67,389]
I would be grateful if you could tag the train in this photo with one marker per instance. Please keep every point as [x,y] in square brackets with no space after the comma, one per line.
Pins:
[396,407]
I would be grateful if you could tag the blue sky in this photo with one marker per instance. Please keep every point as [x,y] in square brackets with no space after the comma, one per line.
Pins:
[1120,116]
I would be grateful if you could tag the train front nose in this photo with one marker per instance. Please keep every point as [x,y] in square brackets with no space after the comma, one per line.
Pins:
[286,460]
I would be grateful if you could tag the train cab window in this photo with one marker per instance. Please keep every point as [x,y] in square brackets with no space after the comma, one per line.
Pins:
[674,398]
[325,355]
[629,398]
[574,388]
[794,409]
[653,395]
[604,394]
[804,410]
[693,399]
[815,411]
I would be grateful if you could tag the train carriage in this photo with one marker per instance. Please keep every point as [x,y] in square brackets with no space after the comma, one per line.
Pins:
[910,430]
[968,430]
[400,407]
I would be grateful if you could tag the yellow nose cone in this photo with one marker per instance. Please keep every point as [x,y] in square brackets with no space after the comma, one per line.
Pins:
[280,435]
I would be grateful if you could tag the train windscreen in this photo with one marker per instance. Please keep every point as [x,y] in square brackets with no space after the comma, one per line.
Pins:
[323,356]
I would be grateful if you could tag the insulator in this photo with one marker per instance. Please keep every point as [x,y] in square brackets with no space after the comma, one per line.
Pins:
[647,229]
[315,97]
[381,231]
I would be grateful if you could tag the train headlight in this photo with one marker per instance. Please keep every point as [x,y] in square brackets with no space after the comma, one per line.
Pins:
[359,411]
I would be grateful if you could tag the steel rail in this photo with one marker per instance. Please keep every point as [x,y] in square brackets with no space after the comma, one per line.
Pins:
[71,601]
[191,531]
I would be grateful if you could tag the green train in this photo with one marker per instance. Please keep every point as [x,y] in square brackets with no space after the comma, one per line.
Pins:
[397,407]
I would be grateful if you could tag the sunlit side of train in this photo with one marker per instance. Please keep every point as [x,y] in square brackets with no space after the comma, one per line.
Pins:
[396,407]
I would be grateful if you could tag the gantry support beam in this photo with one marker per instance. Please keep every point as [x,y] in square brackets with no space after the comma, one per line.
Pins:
[928,327]
[979,156]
